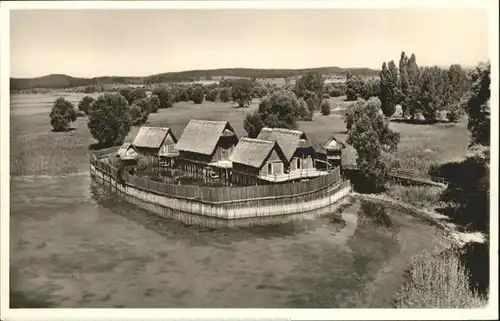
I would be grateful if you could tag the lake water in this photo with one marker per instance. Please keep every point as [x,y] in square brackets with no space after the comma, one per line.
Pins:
[73,244]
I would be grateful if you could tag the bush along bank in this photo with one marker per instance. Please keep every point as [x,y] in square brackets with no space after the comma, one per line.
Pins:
[451,277]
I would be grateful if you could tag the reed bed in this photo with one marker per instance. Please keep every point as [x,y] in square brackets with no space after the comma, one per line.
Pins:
[438,281]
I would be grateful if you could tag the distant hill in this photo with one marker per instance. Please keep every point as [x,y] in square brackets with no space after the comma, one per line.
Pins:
[64,81]
[55,81]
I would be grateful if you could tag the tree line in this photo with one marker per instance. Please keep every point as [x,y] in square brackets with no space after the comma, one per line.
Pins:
[429,92]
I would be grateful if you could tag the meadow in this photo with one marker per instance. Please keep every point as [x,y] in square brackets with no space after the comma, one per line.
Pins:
[37,150]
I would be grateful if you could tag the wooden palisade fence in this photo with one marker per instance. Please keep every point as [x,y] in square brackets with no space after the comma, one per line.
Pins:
[228,202]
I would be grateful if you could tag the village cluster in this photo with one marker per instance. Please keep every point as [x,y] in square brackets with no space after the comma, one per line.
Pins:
[212,150]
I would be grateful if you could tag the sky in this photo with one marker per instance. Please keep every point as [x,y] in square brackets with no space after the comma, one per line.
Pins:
[91,43]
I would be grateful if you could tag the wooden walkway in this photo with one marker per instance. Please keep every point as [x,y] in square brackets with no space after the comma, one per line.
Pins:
[410,176]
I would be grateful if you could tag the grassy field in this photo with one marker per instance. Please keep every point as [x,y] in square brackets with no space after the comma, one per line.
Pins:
[35,149]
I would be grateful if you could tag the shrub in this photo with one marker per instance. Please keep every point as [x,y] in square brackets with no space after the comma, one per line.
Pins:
[198,95]
[62,114]
[419,196]
[85,103]
[438,281]
[325,108]
[110,120]
[59,123]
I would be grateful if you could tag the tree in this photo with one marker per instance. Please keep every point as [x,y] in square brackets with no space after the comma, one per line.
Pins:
[404,83]
[389,92]
[478,105]
[469,188]
[126,93]
[136,94]
[154,103]
[259,90]
[145,109]
[165,95]
[355,88]
[183,94]
[136,115]
[212,95]
[371,89]
[368,132]
[242,92]
[110,120]
[456,87]
[225,95]
[430,96]
[280,110]
[310,87]
[85,103]
[253,123]
[325,108]
[336,92]
[303,112]
[62,114]
[409,103]
[198,95]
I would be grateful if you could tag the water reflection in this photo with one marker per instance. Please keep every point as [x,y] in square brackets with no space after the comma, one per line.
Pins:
[200,234]
[75,244]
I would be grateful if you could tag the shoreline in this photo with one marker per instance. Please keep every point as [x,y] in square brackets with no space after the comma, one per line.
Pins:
[458,239]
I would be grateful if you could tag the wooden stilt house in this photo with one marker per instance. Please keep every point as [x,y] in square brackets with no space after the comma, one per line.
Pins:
[205,146]
[333,148]
[257,161]
[155,144]
[299,153]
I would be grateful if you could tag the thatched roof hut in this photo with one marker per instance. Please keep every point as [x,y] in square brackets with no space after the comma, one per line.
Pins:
[152,138]
[289,140]
[202,136]
[254,152]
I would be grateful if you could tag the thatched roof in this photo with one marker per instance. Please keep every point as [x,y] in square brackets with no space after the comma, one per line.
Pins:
[333,144]
[122,149]
[287,139]
[254,152]
[201,136]
[152,137]
[127,152]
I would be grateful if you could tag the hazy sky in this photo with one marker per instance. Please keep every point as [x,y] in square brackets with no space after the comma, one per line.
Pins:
[90,43]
